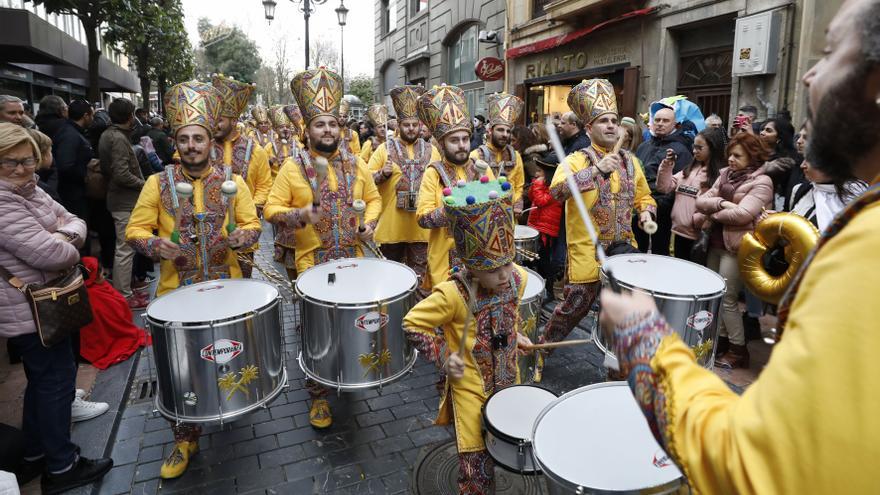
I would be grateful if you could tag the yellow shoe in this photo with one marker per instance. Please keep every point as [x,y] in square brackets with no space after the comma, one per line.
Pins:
[177,462]
[319,414]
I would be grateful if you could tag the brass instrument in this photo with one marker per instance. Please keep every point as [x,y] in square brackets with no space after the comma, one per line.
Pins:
[770,256]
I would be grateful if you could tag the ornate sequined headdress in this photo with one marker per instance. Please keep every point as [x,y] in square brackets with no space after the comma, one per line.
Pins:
[278,117]
[504,108]
[317,92]
[234,95]
[260,114]
[592,98]
[192,103]
[344,108]
[444,109]
[406,101]
[481,218]
[295,117]
[377,114]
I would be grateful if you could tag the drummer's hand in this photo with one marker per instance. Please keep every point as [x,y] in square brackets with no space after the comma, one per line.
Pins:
[309,216]
[388,168]
[236,239]
[454,366]
[645,217]
[523,342]
[607,164]
[618,308]
[366,235]
[167,250]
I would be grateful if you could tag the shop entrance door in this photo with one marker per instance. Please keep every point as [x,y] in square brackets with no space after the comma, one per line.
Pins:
[705,78]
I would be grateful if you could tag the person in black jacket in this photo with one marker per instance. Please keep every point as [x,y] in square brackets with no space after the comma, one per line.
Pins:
[665,135]
[73,152]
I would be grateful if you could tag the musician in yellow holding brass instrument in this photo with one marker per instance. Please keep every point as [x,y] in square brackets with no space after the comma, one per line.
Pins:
[315,190]
[198,235]
[808,424]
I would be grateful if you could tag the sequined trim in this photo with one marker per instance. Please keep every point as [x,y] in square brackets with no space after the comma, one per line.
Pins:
[476,473]
[434,219]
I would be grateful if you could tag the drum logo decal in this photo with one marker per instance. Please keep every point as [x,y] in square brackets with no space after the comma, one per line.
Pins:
[700,320]
[221,351]
[371,322]
[661,459]
[233,382]
[374,361]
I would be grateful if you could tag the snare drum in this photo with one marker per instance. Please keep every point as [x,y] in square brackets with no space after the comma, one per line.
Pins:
[596,440]
[530,316]
[508,418]
[687,294]
[352,322]
[528,243]
[218,349]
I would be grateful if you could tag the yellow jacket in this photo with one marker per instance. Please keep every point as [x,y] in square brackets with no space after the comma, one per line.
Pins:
[582,264]
[351,137]
[440,241]
[397,224]
[446,309]
[259,175]
[367,150]
[809,423]
[293,191]
[149,215]
[516,176]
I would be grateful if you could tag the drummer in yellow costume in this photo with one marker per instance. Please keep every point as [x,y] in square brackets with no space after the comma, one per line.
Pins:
[612,186]
[377,116]
[504,111]
[239,154]
[482,300]
[444,111]
[398,165]
[283,146]
[263,132]
[326,229]
[349,138]
[195,248]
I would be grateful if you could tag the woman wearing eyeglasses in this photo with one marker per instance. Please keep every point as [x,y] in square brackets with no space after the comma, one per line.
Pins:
[38,240]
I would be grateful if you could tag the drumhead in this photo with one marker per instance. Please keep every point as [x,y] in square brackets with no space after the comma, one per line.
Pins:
[534,284]
[607,416]
[357,281]
[216,300]
[512,411]
[524,232]
[664,274]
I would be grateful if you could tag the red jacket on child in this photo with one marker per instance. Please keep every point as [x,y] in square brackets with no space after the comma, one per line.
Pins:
[545,217]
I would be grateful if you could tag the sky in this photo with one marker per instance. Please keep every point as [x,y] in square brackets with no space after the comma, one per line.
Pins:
[248,15]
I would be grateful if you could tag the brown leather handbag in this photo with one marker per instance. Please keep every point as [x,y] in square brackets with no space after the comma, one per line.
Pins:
[59,306]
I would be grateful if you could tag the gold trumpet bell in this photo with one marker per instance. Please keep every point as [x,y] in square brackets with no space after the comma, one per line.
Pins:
[770,256]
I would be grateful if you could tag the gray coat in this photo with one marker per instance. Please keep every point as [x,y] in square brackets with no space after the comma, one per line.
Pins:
[120,165]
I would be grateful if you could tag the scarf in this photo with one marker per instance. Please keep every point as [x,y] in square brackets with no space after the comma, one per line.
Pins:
[731,181]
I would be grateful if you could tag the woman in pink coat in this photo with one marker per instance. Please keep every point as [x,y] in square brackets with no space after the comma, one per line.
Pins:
[39,239]
[733,205]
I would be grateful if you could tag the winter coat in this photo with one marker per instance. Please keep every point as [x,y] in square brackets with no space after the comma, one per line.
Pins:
[162,143]
[545,218]
[120,165]
[574,143]
[72,153]
[653,151]
[30,252]
[686,190]
[752,196]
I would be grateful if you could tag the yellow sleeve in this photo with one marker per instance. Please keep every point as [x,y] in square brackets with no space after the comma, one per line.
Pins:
[428,192]
[435,154]
[145,215]
[260,175]
[575,161]
[355,142]
[643,200]
[442,309]
[475,154]
[269,149]
[245,210]
[369,193]
[366,150]
[517,178]
[431,312]
[378,159]
[281,195]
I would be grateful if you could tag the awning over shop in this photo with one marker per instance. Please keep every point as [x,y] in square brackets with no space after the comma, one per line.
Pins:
[556,41]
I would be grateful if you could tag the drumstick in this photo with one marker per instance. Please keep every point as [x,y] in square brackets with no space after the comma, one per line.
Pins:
[184,191]
[554,345]
[320,165]
[360,206]
[620,139]
[481,167]
[229,189]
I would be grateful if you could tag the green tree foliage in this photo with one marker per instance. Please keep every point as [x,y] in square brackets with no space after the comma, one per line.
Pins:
[233,54]
[362,87]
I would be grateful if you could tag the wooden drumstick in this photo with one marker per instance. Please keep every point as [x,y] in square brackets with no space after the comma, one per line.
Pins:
[481,167]
[554,345]
[229,189]
[320,165]
[184,191]
[620,139]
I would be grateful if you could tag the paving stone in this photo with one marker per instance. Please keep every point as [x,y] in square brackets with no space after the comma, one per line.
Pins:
[153,453]
[304,486]
[255,446]
[398,482]
[357,436]
[288,410]
[189,482]
[280,457]
[125,451]
[418,394]
[147,471]
[374,418]
[272,427]
[298,436]
[384,402]
[391,444]
[383,465]
[411,409]
[253,418]
[153,424]
[228,437]
[236,467]
[351,455]
[404,425]
[371,486]
[429,436]
[297,395]
[137,410]
[302,420]
[260,479]
[158,437]
[344,476]
[118,480]
[132,427]
[148,488]
[306,468]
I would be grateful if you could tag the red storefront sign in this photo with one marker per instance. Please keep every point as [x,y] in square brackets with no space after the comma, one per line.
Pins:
[489,69]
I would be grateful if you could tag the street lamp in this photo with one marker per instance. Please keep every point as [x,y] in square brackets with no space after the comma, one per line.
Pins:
[269,9]
[307,9]
[341,14]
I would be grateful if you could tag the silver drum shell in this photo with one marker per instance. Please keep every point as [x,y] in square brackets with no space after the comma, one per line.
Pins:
[530,243]
[530,318]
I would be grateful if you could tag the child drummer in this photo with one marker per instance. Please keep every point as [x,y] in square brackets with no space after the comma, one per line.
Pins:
[480,305]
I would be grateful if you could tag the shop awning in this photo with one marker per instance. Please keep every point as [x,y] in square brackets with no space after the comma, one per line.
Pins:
[556,41]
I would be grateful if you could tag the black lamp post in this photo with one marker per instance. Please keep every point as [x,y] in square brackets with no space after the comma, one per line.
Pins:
[307,9]
[269,9]
[341,14]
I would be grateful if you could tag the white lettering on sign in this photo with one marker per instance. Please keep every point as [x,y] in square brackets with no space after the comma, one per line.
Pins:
[221,351]
[371,321]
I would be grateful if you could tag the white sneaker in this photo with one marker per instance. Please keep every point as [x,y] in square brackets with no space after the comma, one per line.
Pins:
[82,410]
[80,393]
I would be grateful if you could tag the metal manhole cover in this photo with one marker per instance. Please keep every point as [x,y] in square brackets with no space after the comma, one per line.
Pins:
[436,473]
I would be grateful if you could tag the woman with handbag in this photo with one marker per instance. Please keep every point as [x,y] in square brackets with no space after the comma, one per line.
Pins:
[693,180]
[39,243]
[734,205]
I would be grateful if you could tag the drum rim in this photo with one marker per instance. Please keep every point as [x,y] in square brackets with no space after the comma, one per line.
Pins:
[500,434]
[363,305]
[533,472]
[678,297]
[196,325]
[656,489]
[530,272]
[536,235]
[359,386]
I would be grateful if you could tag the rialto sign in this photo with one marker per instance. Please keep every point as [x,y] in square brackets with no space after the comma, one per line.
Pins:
[569,62]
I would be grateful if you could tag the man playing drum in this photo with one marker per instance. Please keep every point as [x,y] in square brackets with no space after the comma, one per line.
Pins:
[314,194]
[504,111]
[612,185]
[265,135]
[444,111]
[479,307]
[349,137]
[398,165]
[808,424]
[192,245]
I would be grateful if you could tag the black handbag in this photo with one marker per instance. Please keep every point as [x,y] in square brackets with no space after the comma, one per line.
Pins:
[59,306]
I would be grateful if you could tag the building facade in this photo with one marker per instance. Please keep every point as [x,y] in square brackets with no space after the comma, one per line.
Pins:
[431,42]
[46,54]
[650,49]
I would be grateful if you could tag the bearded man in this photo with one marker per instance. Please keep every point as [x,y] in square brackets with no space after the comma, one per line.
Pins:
[504,111]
